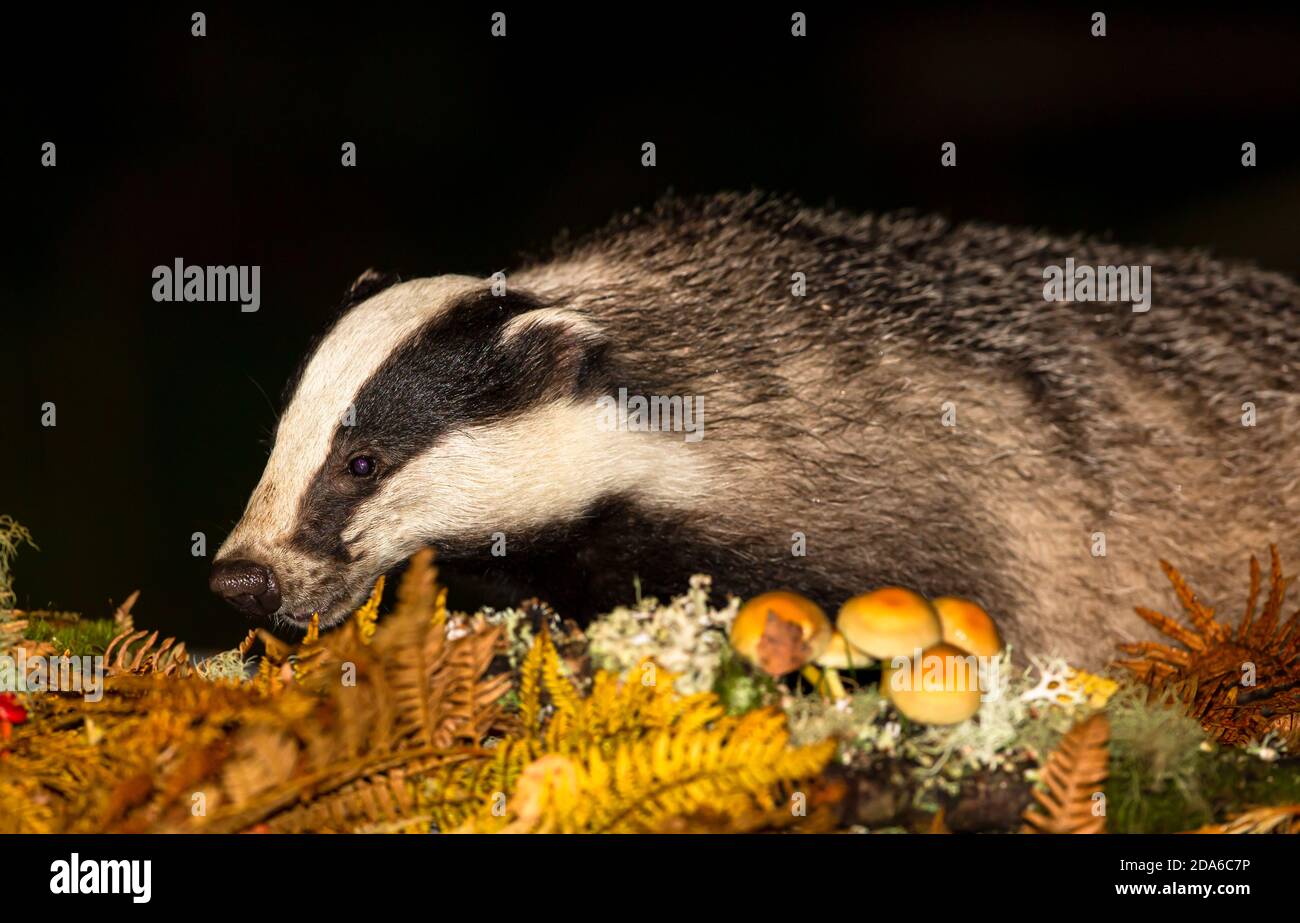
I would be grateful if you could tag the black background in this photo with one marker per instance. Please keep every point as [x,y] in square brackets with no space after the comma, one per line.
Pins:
[225,150]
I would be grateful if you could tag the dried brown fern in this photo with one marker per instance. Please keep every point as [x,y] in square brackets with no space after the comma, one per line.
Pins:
[383,726]
[407,702]
[1280,819]
[385,803]
[122,617]
[139,652]
[331,736]
[1073,776]
[1213,661]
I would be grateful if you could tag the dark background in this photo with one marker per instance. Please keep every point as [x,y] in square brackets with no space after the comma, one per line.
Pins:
[225,150]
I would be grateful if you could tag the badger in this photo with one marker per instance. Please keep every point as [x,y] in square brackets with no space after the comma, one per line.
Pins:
[880,400]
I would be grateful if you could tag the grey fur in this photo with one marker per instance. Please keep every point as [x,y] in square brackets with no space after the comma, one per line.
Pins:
[825,412]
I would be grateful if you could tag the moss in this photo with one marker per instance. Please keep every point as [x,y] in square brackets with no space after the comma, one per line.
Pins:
[1211,786]
[78,636]
[739,687]
[1166,775]
[1234,780]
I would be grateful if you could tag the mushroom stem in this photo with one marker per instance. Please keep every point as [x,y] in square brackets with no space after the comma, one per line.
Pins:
[832,677]
[825,681]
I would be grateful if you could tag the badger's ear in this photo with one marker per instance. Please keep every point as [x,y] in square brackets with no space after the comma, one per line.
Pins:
[369,283]
[564,347]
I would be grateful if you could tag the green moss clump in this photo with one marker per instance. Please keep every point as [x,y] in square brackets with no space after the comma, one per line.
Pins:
[1167,776]
[1210,787]
[80,637]
[739,687]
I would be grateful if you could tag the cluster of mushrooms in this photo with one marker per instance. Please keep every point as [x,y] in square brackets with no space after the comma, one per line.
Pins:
[782,631]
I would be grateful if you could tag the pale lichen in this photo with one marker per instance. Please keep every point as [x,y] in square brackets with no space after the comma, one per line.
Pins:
[517,629]
[859,722]
[13,535]
[687,636]
[1010,729]
[226,665]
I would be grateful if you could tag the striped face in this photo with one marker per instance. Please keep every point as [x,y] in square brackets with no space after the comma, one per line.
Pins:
[433,413]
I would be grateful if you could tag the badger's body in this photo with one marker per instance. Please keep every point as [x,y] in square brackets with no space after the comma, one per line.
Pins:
[826,425]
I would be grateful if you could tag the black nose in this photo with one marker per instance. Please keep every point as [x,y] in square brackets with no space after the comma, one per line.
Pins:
[249,587]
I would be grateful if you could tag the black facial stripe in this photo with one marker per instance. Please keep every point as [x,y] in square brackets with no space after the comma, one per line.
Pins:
[454,372]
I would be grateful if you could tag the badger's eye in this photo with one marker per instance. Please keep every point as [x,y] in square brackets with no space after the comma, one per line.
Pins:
[363,466]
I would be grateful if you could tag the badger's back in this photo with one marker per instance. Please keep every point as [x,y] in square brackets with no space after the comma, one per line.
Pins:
[825,413]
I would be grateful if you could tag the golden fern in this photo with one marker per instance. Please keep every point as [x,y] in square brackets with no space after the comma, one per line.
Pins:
[633,756]
[738,777]
[406,703]
[392,725]
[386,803]
[453,794]
[367,616]
[1073,776]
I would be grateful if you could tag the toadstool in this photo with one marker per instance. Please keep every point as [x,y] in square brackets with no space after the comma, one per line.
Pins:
[841,655]
[943,687]
[890,622]
[780,631]
[967,626]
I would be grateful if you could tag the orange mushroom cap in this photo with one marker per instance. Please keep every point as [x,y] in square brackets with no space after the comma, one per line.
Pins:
[943,688]
[967,626]
[890,622]
[752,622]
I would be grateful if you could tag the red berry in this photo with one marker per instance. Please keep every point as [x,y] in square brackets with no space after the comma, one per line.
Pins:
[10,711]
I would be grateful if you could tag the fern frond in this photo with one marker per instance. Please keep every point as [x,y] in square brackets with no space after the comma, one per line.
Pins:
[738,776]
[398,726]
[368,614]
[1073,777]
[386,802]
[456,792]
[335,734]
[634,755]
[139,652]
[1280,819]
[1244,680]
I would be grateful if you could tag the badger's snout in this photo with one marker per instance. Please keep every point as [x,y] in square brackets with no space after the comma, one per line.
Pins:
[250,587]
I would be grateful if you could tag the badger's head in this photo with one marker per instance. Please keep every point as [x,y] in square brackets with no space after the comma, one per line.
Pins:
[432,413]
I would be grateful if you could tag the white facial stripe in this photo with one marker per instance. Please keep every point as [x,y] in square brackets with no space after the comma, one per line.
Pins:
[547,465]
[345,360]
[572,321]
